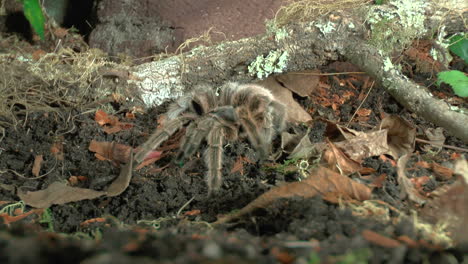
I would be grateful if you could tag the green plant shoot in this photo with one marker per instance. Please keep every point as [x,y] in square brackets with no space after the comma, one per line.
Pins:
[33,13]
[459,46]
[456,79]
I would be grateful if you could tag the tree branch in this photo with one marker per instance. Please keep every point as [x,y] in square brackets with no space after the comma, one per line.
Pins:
[308,45]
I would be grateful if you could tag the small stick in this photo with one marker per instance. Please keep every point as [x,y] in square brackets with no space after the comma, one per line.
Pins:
[360,105]
[441,145]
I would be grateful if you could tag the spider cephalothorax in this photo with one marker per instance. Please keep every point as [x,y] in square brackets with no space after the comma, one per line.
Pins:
[238,111]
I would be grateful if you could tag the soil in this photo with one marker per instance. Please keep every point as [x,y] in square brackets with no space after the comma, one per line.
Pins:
[166,215]
[145,28]
[233,20]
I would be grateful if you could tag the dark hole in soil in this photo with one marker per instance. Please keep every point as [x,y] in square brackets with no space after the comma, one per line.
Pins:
[17,23]
[81,14]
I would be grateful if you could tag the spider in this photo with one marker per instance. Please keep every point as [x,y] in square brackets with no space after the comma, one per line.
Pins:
[239,111]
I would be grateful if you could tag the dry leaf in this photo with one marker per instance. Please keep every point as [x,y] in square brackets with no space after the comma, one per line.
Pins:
[406,185]
[401,135]
[7,219]
[306,149]
[358,146]
[37,165]
[364,112]
[295,112]
[451,207]
[436,137]
[192,212]
[365,144]
[367,171]
[348,133]
[93,220]
[147,161]
[289,141]
[302,83]
[120,184]
[336,158]
[111,124]
[130,115]
[61,193]
[102,118]
[330,185]
[57,193]
[110,151]
[442,173]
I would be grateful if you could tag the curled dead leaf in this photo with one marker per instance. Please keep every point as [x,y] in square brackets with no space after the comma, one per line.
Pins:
[57,193]
[324,182]
[61,193]
[302,83]
[401,135]
[338,159]
[436,138]
[295,112]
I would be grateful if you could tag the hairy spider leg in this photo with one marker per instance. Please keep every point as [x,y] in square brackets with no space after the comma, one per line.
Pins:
[214,158]
[278,112]
[160,136]
[273,124]
[223,128]
[251,129]
[196,132]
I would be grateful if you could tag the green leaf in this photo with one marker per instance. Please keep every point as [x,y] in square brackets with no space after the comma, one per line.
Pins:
[33,13]
[456,79]
[459,46]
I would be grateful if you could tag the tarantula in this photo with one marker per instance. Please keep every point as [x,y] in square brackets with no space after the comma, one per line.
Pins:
[239,111]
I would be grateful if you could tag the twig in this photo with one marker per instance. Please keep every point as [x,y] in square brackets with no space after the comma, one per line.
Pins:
[183,206]
[3,133]
[360,105]
[441,145]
